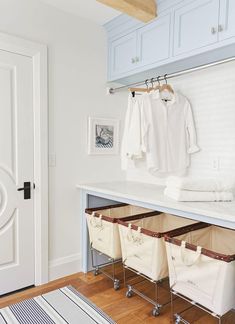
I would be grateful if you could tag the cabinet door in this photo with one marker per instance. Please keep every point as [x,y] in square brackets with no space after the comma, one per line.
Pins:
[196,25]
[122,55]
[153,41]
[227,19]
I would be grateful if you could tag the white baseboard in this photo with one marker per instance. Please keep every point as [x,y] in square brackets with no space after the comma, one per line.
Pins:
[65,266]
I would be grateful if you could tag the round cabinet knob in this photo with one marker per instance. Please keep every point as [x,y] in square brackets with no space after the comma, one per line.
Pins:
[220,28]
[213,30]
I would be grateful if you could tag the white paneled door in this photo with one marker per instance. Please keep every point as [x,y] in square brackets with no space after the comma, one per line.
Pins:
[16,172]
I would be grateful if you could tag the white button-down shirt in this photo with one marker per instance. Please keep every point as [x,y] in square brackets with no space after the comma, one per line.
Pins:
[168,132]
[161,132]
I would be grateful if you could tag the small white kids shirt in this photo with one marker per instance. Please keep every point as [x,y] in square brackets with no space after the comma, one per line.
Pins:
[168,132]
[131,148]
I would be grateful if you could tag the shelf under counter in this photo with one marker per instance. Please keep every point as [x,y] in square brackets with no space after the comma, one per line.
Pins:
[149,196]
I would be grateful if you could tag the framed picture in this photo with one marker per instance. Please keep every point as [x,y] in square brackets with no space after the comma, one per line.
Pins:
[103,136]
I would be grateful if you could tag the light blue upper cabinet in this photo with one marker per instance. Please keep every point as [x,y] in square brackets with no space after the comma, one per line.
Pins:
[122,55]
[145,46]
[196,25]
[185,31]
[153,41]
[227,19]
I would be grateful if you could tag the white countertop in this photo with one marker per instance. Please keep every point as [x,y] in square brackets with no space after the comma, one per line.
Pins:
[153,195]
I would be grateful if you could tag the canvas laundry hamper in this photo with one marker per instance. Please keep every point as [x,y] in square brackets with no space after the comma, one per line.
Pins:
[103,226]
[202,267]
[143,245]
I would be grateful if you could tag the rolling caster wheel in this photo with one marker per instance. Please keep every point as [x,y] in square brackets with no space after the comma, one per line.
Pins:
[156,312]
[116,284]
[129,294]
[177,319]
[96,272]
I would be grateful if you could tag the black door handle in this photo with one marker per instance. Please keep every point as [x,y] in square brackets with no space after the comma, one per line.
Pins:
[26,189]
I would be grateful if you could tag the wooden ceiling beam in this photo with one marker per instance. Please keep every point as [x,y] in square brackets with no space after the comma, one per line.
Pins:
[144,10]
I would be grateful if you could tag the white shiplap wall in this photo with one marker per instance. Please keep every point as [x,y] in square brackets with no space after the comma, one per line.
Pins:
[212,95]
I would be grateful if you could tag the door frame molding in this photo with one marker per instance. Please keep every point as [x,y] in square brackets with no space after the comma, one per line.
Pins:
[38,53]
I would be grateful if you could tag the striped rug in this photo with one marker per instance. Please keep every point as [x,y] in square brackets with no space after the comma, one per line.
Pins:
[65,305]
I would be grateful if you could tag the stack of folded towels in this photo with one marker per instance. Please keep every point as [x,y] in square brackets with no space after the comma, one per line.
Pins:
[196,189]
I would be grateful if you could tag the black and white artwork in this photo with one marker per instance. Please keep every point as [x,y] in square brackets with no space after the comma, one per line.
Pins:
[103,136]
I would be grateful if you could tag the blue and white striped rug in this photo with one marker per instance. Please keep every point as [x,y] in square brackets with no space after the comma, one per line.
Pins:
[65,305]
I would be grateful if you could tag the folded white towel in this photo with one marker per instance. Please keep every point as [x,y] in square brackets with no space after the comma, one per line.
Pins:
[187,195]
[201,184]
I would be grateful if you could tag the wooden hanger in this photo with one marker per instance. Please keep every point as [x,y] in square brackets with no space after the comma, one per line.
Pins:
[166,86]
[139,89]
[147,89]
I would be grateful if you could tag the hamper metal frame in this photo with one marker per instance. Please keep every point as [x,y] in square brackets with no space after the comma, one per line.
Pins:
[131,289]
[177,318]
[98,268]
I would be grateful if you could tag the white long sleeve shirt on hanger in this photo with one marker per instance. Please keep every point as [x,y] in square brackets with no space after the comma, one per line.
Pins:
[132,136]
[168,133]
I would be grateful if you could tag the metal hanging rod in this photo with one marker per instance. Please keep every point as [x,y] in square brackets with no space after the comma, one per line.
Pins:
[171,75]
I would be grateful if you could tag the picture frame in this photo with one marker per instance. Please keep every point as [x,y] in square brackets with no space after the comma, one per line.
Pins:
[103,136]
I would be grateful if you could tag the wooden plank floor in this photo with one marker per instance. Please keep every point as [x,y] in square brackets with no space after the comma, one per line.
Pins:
[123,310]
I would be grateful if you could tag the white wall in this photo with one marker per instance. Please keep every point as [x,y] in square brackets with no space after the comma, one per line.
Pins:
[77,75]
[212,96]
